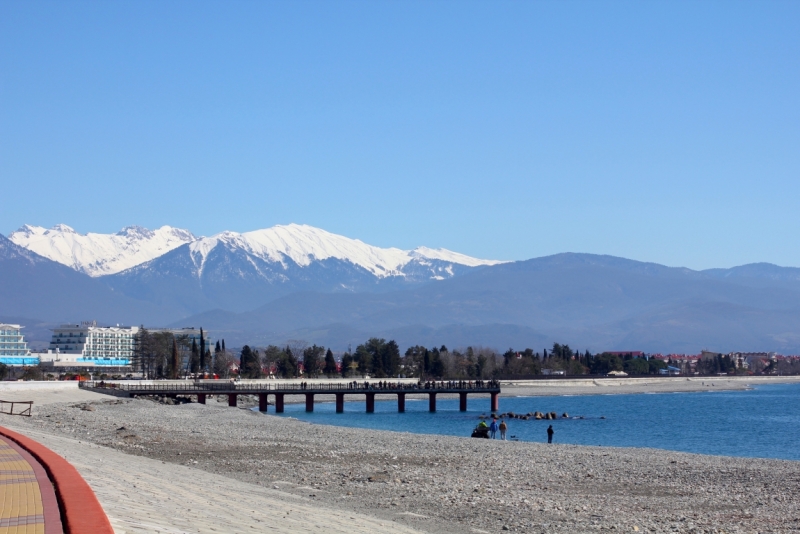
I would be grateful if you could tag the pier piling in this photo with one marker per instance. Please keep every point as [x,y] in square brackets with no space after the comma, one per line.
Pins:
[201,389]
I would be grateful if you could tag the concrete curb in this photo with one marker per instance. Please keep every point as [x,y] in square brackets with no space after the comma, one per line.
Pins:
[81,512]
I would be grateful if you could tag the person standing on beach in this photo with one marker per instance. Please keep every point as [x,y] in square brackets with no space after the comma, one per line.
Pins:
[493,428]
[503,428]
[550,433]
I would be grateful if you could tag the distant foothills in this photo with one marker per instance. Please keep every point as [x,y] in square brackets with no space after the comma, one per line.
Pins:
[296,282]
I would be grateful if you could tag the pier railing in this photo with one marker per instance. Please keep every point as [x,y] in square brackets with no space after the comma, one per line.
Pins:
[190,387]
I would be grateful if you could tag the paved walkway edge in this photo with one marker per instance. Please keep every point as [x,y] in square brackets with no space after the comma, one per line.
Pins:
[81,512]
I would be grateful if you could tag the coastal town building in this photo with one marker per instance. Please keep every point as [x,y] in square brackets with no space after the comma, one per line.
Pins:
[104,349]
[13,347]
[89,345]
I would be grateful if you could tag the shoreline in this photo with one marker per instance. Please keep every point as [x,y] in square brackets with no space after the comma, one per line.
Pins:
[394,481]
[586,386]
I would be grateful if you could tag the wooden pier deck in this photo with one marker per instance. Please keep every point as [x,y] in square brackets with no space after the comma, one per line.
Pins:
[202,388]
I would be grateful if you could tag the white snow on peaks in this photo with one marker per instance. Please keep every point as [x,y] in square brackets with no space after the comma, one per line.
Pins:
[100,254]
[104,254]
[304,244]
[443,254]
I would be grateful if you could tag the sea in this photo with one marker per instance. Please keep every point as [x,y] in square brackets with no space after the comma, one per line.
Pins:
[763,422]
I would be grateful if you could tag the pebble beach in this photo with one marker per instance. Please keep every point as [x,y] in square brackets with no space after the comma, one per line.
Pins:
[395,481]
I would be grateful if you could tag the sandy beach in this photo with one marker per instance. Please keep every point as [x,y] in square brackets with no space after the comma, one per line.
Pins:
[195,468]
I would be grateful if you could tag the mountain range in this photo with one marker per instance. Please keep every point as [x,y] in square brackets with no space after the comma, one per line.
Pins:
[300,282]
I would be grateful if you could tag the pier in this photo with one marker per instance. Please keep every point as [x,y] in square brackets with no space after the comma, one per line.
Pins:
[201,389]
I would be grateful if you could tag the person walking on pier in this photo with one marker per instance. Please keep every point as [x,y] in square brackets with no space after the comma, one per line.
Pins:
[503,428]
[550,433]
[493,428]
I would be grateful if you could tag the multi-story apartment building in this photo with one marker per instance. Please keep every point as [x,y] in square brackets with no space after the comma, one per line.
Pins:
[87,343]
[13,347]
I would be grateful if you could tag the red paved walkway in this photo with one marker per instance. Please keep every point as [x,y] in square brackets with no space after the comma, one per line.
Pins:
[42,493]
[28,502]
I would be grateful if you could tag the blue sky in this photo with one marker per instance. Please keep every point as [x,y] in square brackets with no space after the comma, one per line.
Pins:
[658,131]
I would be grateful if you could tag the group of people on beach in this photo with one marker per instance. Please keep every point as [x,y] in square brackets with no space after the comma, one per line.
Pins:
[502,427]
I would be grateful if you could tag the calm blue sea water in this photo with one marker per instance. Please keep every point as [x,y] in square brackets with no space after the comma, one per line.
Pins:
[764,422]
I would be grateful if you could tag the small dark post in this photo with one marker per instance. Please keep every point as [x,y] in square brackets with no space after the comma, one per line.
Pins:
[432,402]
[462,398]
[279,403]
[401,402]
[370,403]
[232,400]
[495,402]
[262,402]
[339,402]
[201,398]
[309,402]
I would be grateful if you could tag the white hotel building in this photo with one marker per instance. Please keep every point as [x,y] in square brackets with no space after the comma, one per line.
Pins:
[13,347]
[87,344]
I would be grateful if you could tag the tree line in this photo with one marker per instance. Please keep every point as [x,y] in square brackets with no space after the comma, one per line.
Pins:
[561,359]
[166,355]
[380,358]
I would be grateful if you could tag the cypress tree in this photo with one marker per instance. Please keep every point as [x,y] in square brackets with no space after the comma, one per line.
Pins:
[249,363]
[347,359]
[202,350]
[195,360]
[176,359]
[330,363]
[391,358]
[244,359]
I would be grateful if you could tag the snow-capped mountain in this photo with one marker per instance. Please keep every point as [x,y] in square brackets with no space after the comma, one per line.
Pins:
[34,286]
[302,245]
[240,271]
[100,254]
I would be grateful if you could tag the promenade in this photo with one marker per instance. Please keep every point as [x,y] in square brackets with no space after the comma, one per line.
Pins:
[42,493]
[28,502]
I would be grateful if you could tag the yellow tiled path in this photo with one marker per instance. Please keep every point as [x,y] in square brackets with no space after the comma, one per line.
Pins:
[21,507]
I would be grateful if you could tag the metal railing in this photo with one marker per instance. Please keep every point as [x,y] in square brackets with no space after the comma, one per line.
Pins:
[8,407]
[244,387]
